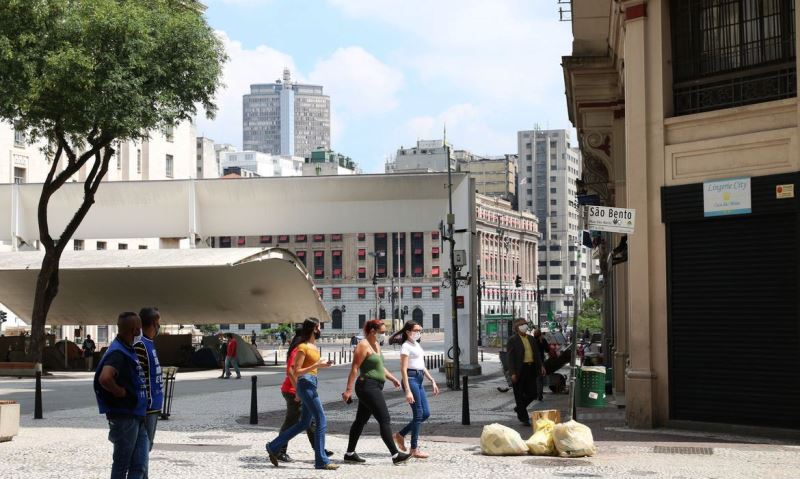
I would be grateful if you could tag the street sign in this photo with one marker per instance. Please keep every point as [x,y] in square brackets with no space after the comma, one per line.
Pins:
[460,257]
[614,220]
[569,290]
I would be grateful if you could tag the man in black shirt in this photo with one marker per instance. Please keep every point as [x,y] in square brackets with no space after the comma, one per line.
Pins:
[88,352]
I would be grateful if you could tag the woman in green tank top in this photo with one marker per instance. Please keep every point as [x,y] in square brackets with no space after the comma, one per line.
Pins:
[369,375]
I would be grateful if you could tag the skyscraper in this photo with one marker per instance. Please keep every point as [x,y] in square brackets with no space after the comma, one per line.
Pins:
[286,118]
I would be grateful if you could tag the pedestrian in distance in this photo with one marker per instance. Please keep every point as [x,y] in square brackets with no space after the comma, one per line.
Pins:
[223,353]
[293,405]
[307,362]
[414,372]
[368,367]
[253,337]
[283,338]
[525,366]
[153,380]
[119,388]
[231,358]
[543,347]
[88,347]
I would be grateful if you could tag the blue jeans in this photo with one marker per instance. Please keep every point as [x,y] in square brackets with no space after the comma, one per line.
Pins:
[419,408]
[131,447]
[228,361]
[312,409]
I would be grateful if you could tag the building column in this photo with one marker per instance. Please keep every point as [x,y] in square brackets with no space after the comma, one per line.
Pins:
[640,376]
[620,272]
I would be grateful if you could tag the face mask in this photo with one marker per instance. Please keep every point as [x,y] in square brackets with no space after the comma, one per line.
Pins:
[381,337]
[158,329]
[416,336]
[317,334]
[523,328]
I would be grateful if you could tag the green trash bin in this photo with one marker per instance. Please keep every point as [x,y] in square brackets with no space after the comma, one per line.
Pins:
[592,386]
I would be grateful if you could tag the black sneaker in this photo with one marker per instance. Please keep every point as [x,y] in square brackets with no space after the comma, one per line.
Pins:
[354,458]
[328,453]
[283,457]
[273,458]
[400,458]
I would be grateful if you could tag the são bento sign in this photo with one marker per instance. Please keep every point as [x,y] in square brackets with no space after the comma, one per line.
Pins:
[614,220]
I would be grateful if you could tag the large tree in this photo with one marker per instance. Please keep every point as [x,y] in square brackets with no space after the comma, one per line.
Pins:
[82,75]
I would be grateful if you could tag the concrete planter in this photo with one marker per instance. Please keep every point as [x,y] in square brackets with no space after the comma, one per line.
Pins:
[9,420]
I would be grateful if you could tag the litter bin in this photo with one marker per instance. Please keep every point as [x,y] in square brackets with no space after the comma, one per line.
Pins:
[592,386]
[168,375]
[448,373]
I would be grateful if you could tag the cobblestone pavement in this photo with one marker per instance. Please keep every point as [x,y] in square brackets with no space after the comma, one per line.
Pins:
[209,436]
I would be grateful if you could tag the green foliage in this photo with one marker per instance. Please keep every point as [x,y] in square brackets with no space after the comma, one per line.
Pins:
[105,69]
[591,316]
[207,329]
[286,328]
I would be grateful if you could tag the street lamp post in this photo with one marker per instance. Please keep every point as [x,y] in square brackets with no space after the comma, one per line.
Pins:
[480,308]
[375,277]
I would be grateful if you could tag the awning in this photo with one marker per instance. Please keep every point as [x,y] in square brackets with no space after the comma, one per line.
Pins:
[435,271]
[337,252]
[416,290]
[319,254]
[189,286]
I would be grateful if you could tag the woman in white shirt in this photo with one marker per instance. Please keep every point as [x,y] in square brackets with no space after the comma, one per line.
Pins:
[412,365]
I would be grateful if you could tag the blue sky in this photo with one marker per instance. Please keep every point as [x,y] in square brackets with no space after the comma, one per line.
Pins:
[397,71]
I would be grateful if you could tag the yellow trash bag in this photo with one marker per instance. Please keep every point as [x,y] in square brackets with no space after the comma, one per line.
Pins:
[573,439]
[541,443]
[499,440]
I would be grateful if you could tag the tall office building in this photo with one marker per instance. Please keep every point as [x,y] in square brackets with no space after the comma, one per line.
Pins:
[548,170]
[286,118]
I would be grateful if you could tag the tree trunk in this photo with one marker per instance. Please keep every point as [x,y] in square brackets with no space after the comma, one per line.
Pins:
[46,291]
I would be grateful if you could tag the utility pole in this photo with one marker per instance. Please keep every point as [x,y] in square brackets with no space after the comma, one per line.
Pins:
[451,220]
[576,294]
[480,308]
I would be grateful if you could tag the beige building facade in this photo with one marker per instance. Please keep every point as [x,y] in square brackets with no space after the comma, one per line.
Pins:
[668,98]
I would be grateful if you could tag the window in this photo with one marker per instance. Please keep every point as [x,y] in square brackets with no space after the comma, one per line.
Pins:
[170,167]
[301,255]
[417,316]
[241,241]
[336,293]
[19,137]
[77,245]
[435,321]
[435,252]
[552,179]
[381,292]
[101,245]
[435,271]
[265,239]
[435,236]
[362,236]
[224,326]
[555,290]
[122,246]
[321,293]
[362,320]
[336,237]
[555,263]
[362,254]
[729,53]
[362,293]
[19,175]
[553,190]
[300,239]
[554,277]
[416,292]
[241,326]
[319,238]
[336,319]
[336,263]
[283,239]
[319,264]
[169,133]
[138,160]
[224,241]
[362,273]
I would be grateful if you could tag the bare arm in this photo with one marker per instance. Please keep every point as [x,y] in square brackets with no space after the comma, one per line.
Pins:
[300,359]
[358,358]
[108,382]
[404,372]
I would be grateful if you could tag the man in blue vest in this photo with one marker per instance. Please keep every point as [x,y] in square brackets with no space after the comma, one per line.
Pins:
[120,391]
[153,381]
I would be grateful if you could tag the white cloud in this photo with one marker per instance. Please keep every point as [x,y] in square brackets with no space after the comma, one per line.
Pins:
[357,82]
[245,67]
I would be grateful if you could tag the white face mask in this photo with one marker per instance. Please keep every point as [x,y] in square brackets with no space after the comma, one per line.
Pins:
[416,336]
[523,328]
[380,337]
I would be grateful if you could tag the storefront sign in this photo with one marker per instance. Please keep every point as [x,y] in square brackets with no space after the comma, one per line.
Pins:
[726,197]
[784,191]
[614,220]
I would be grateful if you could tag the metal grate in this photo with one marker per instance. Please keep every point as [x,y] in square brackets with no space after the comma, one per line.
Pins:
[732,52]
[705,451]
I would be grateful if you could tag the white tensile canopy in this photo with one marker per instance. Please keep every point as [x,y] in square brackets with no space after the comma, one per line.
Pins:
[188,286]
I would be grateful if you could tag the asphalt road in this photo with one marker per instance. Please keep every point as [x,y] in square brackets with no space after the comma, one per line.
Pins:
[73,390]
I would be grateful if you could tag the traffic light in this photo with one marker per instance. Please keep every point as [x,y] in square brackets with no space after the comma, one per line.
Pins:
[3,316]
[518,281]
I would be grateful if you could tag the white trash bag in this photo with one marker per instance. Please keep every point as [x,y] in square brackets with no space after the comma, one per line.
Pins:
[573,439]
[499,440]
[541,443]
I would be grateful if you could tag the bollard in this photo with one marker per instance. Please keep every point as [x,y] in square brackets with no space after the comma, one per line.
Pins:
[276,357]
[254,402]
[329,357]
[37,408]
[465,404]
[481,355]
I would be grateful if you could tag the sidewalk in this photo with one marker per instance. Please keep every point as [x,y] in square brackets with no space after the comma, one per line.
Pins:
[209,436]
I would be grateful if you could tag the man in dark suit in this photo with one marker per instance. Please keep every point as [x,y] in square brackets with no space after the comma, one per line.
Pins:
[525,365]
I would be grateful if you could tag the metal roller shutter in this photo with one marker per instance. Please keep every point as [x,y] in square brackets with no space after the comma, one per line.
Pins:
[734,309]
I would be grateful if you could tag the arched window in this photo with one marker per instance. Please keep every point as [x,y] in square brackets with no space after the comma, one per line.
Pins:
[336,319]
[417,316]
